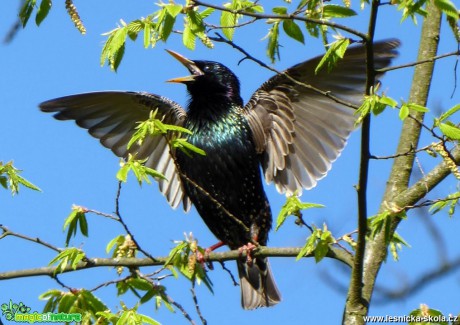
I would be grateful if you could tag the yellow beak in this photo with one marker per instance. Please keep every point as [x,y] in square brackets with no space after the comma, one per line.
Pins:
[189,64]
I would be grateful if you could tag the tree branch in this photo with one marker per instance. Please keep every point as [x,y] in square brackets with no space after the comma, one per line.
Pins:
[285,17]
[333,253]
[397,192]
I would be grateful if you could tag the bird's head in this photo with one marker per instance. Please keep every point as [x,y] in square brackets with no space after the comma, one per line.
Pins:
[208,78]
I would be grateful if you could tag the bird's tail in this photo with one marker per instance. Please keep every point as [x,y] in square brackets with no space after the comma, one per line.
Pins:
[258,288]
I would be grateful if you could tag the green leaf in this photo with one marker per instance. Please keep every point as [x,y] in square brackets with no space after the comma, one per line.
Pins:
[147,320]
[418,108]
[9,177]
[280,10]
[425,313]
[114,47]
[450,201]
[403,112]
[396,244]
[293,206]
[336,11]
[447,7]
[70,256]
[26,11]
[114,244]
[173,9]
[75,218]
[334,53]
[187,147]
[167,27]
[188,38]
[227,21]
[388,101]
[122,174]
[449,130]
[293,30]
[43,11]
[147,35]
[273,45]
[449,112]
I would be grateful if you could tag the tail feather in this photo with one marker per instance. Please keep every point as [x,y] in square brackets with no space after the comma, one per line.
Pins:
[258,288]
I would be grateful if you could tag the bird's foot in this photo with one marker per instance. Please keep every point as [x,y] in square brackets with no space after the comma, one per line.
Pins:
[203,258]
[248,249]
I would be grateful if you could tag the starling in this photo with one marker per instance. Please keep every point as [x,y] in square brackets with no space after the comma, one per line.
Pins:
[292,129]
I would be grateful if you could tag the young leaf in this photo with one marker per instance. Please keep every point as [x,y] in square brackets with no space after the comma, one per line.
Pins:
[188,37]
[273,45]
[227,21]
[43,11]
[403,112]
[334,53]
[173,9]
[449,112]
[293,30]
[447,7]
[336,11]
[26,11]
[450,130]
[70,256]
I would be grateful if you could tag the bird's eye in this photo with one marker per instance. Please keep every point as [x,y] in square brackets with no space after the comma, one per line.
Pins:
[206,68]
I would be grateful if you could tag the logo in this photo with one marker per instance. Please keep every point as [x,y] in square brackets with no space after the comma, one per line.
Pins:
[21,313]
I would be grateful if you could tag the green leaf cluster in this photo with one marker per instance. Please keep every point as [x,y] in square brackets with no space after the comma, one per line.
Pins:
[374,104]
[382,222]
[412,8]
[76,220]
[122,246]
[450,202]
[127,316]
[68,257]
[136,285]
[81,302]
[28,8]
[10,178]
[334,53]
[318,243]
[194,28]
[406,107]
[228,20]
[150,128]
[447,127]
[423,314]
[183,258]
[315,9]
[141,171]
[293,207]
[156,27]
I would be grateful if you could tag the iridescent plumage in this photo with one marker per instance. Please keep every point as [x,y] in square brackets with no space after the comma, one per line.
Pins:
[291,132]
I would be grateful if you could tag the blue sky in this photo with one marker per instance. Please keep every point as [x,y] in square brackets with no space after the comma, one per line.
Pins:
[73,168]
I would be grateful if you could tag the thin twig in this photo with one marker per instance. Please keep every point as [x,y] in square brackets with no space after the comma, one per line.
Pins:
[413,64]
[125,226]
[183,311]
[248,56]
[235,283]
[197,306]
[7,232]
[363,36]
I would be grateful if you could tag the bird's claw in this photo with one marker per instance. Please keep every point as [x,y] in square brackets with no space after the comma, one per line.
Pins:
[203,259]
[248,249]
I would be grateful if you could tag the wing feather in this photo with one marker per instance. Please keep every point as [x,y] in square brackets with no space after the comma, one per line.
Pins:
[299,131]
[112,116]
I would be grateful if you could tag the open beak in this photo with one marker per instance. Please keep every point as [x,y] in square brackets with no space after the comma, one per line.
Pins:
[189,64]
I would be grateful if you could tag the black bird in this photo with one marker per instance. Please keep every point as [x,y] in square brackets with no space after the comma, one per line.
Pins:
[293,132]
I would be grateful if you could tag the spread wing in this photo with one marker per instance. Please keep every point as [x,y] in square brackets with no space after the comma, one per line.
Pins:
[298,130]
[111,117]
